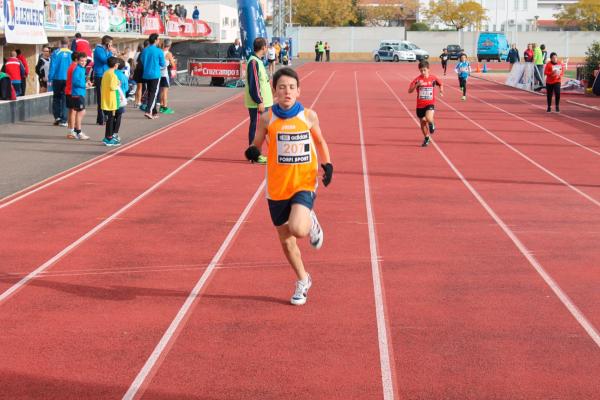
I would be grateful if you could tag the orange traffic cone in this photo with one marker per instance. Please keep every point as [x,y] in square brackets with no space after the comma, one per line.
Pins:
[477,69]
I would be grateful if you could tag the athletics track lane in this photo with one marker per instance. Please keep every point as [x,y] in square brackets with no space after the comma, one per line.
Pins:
[244,340]
[469,316]
[556,223]
[90,323]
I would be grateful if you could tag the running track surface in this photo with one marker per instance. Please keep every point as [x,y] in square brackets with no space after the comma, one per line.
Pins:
[465,270]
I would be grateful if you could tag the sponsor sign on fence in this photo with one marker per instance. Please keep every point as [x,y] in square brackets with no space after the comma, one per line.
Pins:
[24,21]
[152,25]
[87,17]
[103,19]
[117,20]
[60,15]
[187,27]
[215,69]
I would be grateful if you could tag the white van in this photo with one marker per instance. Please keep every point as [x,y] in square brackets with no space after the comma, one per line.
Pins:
[405,45]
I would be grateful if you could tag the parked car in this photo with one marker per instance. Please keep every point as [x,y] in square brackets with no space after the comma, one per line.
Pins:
[393,53]
[407,46]
[454,51]
[492,46]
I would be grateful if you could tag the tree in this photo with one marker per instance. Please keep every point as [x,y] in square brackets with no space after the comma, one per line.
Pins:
[592,60]
[467,14]
[389,12]
[584,15]
[324,12]
[419,26]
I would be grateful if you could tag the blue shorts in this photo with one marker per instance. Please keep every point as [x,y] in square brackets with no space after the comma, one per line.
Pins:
[280,209]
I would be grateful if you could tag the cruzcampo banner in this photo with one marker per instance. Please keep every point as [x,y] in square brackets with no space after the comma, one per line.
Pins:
[24,21]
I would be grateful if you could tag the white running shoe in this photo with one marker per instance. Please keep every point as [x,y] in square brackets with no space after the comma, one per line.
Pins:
[316,232]
[82,136]
[71,134]
[300,295]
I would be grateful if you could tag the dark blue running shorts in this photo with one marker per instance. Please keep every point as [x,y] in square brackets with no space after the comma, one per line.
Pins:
[280,209]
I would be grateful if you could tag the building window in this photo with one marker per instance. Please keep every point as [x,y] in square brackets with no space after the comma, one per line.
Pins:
[226,21]
[525,6]
[519,28]
[234,22]
[516,5]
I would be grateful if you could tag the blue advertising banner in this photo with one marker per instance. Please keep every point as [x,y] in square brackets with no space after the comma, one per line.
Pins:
[252,24]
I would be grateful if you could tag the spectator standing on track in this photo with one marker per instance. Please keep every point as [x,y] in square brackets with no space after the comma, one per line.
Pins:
[294,140]
[59,64]
[23,60]
[234,52]
[43,68]
[196,14]
[554,72]
[317,51]
[327,52]
[258,95]
[271,58]
[425,85]
[444,58]
[138,74]
[528,53]
[463,69]
[16,71]
[538,60]
[321,51]
[513,56]
[544,54]
[79,86]
[111,102]
[153,60]
[166,74]
[124,86]
[102,52]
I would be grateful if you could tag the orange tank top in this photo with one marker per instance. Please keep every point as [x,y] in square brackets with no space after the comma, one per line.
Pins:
[292,163]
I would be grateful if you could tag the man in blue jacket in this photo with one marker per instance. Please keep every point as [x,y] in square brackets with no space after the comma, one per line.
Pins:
[153,59]
[60,60]
[102,52]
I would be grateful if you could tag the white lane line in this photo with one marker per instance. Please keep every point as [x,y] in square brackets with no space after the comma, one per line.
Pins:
[528,254]
[6,294]
[562,114]
[382,334]
[533,124]
[164,342]
[36,187]
[583,105]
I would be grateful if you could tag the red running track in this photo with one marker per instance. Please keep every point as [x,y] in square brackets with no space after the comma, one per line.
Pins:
[466,314]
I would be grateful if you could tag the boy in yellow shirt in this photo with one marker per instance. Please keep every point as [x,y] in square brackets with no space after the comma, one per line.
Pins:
[294,139]
[111,102]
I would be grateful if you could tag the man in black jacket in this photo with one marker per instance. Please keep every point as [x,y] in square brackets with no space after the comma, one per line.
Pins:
[234,52]
[513,56]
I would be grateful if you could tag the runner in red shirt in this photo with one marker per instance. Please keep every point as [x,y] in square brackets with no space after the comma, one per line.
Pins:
[425,86]
[554,72]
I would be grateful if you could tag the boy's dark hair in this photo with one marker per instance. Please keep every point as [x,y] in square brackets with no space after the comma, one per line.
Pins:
[153,38]
[74,56]
[259,43]
[18,51]
[121,63]
[553,54]
[423,64]
[80,55]
[543,47]
[285,71]
[112,61]
[106,39]
[146,43]
[78,35]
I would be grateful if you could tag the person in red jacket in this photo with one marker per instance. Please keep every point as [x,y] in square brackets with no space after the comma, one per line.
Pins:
[554,72]
[425,85]
[23,60]
[81,45]
[16,71]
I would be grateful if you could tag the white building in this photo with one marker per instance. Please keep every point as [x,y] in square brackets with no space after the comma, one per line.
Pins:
[222,15]
[516,15]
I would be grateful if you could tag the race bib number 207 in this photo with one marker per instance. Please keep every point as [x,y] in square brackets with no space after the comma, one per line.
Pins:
[293,148]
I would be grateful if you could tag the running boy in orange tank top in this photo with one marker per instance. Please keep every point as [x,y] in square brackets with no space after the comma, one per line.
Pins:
[294,140]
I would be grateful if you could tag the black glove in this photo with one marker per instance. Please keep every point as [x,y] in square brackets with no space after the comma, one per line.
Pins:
[328,168]
[252,153]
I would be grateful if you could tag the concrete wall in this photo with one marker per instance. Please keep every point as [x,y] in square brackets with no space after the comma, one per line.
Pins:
[364,40]
[345,39]
[26,108]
